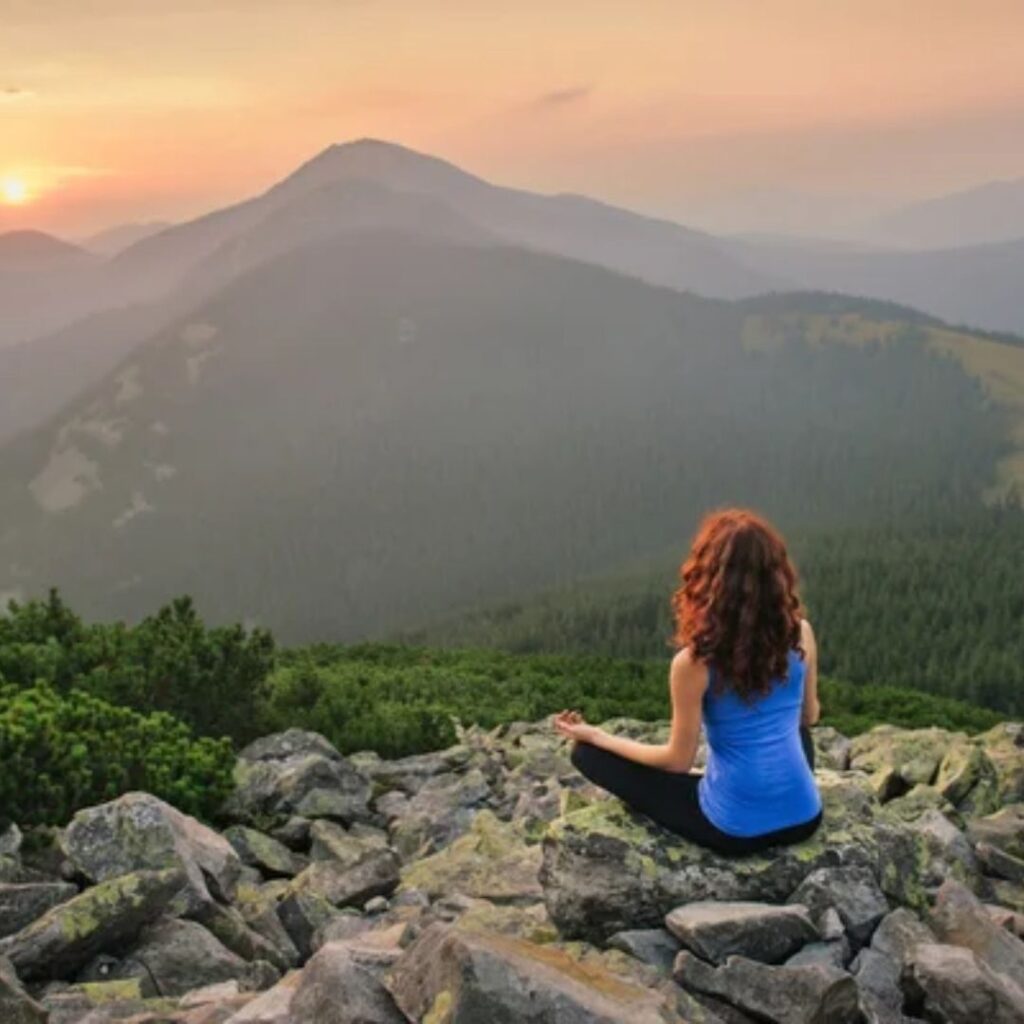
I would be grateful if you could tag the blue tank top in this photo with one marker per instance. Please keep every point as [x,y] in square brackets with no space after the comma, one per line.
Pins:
[757,778]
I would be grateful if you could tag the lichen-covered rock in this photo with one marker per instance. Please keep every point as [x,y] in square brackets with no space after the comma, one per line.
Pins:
[606,869]
[295,773]
[259,850]
[920,799]
[657,947]
[10,840]
[1003,829]
[901,757]
[105,916]
[410,773]
[831,748]
[331,841]
[491,861]
[950,984]
[140,832]
[22,904]
[758,931]
[232,929]
[16,1005]
[1004,747]
[812,994]
[345,885]
[454,976]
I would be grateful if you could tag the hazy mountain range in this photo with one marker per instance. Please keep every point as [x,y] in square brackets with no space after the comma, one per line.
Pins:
[385,388]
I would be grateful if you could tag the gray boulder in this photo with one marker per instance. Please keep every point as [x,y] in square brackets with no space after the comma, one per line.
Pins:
[261,851]
[950,985]
[782,995]
[960,919]
[106,916]
[16,1005]
[336,989]
[295,773]
[830,954]
[139,832]
[10,840]
[22,904]
[331,841]
[758,931]
[461,977]
[442,809]
[182,955]
[344,885]
[657,947]
[852,891]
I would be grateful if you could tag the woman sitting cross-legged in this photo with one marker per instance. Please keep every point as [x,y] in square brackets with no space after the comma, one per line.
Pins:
[747,669]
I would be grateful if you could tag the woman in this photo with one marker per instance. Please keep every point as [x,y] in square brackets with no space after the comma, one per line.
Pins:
[747,669]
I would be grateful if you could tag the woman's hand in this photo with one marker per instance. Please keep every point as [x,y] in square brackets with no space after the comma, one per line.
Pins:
[570,724]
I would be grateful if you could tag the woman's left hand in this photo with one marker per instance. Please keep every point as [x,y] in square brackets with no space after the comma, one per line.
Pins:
[570,724]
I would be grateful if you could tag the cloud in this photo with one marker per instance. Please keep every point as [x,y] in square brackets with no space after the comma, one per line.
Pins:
[14,94]
[561,97]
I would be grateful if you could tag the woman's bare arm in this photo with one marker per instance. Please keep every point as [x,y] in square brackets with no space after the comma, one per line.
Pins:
[812,708]
[687,682]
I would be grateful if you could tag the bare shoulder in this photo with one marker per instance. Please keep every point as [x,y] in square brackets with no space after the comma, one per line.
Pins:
[687,671]
[807,635]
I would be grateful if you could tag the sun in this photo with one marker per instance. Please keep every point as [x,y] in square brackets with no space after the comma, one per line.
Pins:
[14,191]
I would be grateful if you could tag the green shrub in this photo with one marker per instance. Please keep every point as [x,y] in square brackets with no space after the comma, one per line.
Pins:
[61,752]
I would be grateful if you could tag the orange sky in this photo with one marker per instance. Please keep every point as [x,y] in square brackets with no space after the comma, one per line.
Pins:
[114,110]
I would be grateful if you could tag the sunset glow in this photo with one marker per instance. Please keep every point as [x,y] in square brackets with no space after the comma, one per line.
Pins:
[14,191]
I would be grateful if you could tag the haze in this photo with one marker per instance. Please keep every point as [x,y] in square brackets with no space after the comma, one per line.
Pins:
[781,115]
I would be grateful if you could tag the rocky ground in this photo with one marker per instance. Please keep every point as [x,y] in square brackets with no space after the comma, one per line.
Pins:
[490,884]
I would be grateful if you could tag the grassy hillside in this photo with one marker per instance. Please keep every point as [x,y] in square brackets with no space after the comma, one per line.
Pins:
[369,430]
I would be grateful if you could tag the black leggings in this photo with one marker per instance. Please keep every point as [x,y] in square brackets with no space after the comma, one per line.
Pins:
[670,799]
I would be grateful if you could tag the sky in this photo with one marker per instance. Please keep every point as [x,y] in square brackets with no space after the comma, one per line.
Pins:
[729,114]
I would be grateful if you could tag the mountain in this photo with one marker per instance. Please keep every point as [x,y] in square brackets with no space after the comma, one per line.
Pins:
[36,250]
[977,285]
[993,212]
[111,241]
[380,422]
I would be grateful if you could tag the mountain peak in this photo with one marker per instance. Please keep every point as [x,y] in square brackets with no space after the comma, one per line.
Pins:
[30,249]
[387,163]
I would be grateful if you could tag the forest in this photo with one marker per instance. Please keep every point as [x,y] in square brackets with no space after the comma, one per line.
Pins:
[91,710]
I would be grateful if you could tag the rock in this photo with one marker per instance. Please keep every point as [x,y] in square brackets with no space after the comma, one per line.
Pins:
[295,773]
[377,874]
[964,770]
[999,863]
[950,984]
[67,936]
[814,994]
[959,919]
[529,921]
[331,841]
[376,905]
[898,934]
[16,1005]
[1003,830]
[410,773]
[442,810]
[949,851]
[272,857]
[831,748]
[22,904]
[182,955]
[336,989]
[1004,747]
[854,894]
[878,983]
[272,1006]
[758,931]
[655,946]
[10,840]
[920,799]
[1011,920]
[139,832]
[830,954]
[461,977]
[906,756]
[606,869]
[230,927]
[302,915]
[490,862]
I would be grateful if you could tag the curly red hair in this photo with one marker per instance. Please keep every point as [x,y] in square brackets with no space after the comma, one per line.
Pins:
[737,606]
